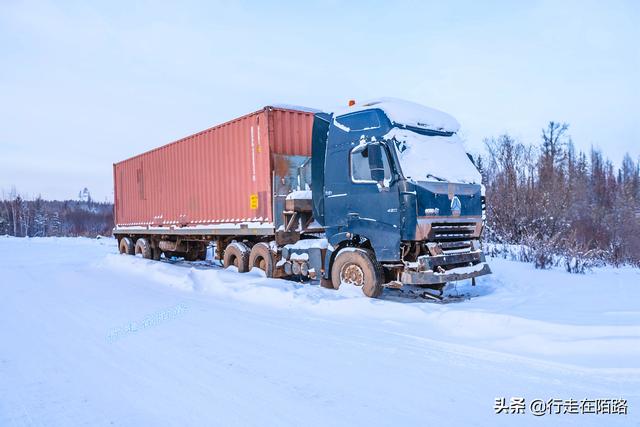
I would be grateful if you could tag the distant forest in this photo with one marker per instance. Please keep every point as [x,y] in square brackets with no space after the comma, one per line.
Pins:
[44,218]
[561,205]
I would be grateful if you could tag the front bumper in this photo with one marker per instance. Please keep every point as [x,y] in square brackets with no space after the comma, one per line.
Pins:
[410,277]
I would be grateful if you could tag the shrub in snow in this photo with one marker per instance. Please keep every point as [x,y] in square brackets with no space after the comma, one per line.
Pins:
[543,259]
[540,251]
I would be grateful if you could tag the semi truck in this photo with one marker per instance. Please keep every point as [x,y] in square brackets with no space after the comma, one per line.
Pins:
[378,194]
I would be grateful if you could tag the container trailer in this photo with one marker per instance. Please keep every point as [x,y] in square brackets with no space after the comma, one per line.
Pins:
[380,194]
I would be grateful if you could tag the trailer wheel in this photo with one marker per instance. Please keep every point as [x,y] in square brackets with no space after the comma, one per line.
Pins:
[126,246]
[143,248]
[262,258]
[358,267]
[237,254]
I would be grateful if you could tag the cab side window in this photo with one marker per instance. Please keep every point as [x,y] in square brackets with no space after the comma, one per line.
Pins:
[360,171]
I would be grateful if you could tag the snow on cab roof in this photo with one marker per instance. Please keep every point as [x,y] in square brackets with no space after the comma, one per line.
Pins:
[296,107]
[409,113]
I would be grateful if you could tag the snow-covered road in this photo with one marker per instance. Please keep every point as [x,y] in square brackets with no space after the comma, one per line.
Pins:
[89,337]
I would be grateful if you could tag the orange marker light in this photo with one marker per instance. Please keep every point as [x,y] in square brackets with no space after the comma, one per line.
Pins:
[352,102]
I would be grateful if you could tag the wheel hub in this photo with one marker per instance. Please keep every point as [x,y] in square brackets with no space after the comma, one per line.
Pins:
[352,274]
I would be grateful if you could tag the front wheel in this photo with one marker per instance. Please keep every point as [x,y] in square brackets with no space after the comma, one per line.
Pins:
[358,267]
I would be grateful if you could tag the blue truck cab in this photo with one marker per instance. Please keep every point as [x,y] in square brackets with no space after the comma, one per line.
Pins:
[399,200]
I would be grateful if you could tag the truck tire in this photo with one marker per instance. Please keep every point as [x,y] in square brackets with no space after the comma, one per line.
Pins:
[126,246]
[358,267]
[237,254]
[262,258]
[143,247]
[156,253]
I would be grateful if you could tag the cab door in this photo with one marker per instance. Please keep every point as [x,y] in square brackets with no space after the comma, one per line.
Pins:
[354,202]
[374,202]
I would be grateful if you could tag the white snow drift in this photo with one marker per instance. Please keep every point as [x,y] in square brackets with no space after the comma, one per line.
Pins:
[90,337]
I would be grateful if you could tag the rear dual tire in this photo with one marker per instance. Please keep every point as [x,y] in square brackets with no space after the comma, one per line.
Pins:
[143,247]
[237,254]
[262,258]
[126,246]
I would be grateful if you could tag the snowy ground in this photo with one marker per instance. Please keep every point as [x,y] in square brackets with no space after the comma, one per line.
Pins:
[89,337]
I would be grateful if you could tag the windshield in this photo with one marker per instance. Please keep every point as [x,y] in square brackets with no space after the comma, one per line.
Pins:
[433,158]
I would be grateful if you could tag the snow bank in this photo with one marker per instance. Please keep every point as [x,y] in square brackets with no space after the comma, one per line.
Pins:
[536,334]
[248,350]
[433,158]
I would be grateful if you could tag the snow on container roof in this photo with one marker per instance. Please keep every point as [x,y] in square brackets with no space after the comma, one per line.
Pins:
[296,108]
[409,113]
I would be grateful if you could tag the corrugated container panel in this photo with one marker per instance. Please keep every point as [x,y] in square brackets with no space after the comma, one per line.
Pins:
[222,174]
[292,132]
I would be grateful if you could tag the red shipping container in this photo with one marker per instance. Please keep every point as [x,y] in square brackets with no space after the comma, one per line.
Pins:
[220,175]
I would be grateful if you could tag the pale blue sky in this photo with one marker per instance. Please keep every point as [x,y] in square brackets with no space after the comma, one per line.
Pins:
[84,85]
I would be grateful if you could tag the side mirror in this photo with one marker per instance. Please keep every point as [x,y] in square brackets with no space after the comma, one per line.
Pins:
[375,162]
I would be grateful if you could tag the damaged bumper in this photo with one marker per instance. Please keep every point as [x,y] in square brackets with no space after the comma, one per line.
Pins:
[430,277]
[440,269]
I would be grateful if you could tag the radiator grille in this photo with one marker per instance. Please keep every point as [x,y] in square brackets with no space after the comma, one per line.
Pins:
[453,237]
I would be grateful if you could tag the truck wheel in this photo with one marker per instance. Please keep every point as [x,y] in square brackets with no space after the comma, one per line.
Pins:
[237,254]
[358,267]
[262,257]
[156,253]
[143,248]
[126,246]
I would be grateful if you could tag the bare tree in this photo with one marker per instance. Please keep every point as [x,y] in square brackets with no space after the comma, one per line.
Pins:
[559,202]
